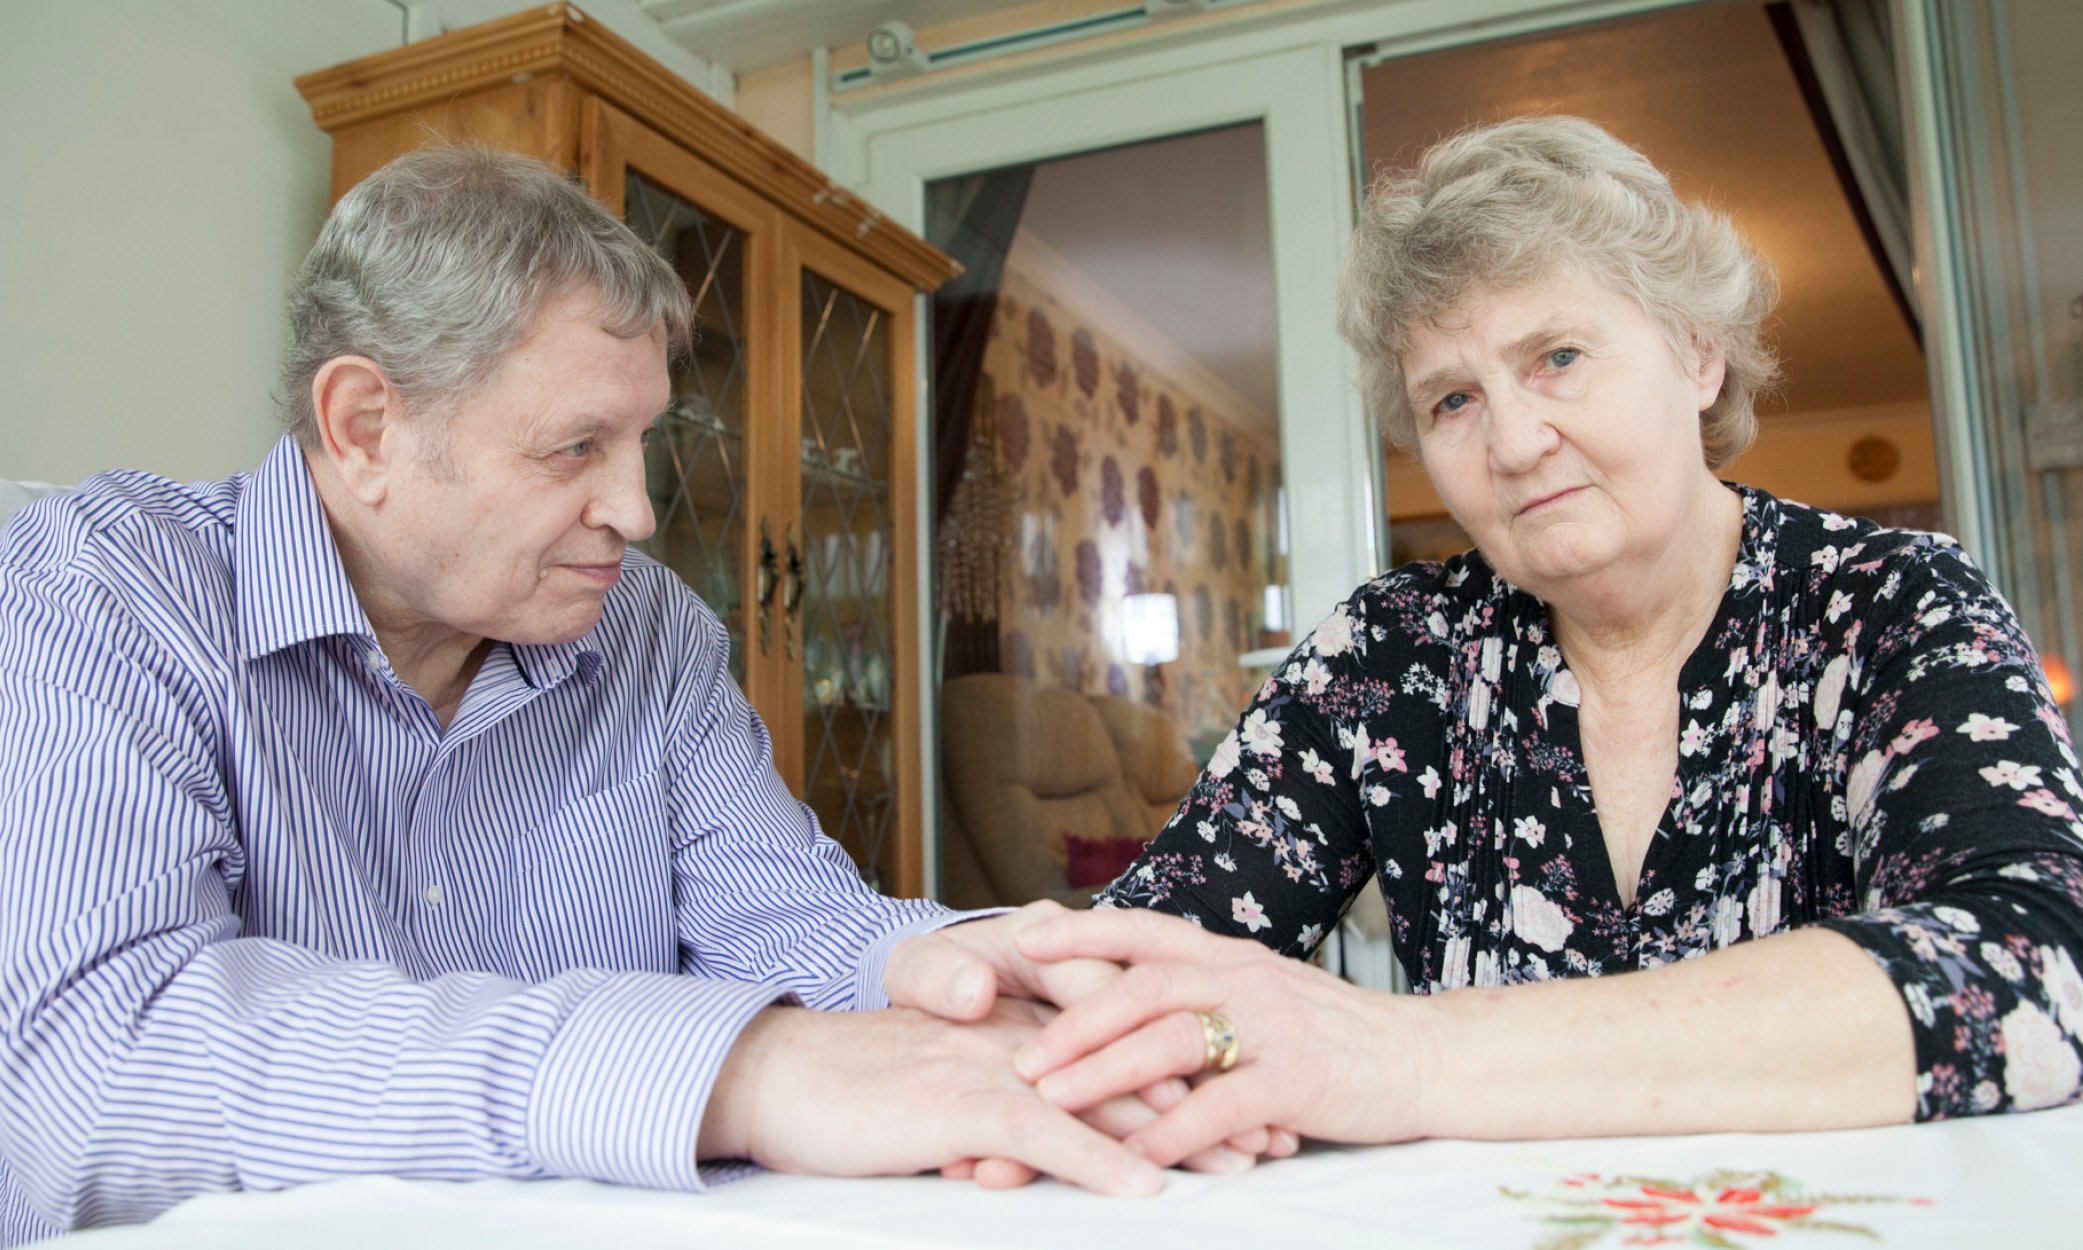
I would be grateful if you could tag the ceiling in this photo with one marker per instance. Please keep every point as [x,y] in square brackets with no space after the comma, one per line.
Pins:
[1177,229]
[1707,94]
[747,35]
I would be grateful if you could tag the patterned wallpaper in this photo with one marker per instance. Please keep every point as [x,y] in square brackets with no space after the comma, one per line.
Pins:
[1123,482]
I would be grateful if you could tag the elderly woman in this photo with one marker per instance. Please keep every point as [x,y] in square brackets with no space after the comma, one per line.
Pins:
[1694,808]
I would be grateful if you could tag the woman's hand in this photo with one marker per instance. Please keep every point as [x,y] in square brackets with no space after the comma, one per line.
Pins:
[959,972]
[1317,1057]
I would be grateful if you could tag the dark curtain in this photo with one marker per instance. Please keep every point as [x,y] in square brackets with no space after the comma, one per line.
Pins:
[1842,55]
[972,219]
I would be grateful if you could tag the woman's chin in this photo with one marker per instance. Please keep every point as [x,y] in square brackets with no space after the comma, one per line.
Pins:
[1554,560]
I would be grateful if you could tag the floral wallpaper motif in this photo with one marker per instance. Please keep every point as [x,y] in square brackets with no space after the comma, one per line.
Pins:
[1127,397]
[1063,458]
[1071,439]
[1084,362]
[1041,349]
[1012,433]
[1111,504]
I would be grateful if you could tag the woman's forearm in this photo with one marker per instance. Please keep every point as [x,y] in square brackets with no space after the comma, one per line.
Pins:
[1798,1031]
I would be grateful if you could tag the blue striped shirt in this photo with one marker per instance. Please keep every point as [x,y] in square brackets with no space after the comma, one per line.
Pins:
[267,922]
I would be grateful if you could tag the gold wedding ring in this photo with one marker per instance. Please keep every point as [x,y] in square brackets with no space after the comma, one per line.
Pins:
[1218,1042]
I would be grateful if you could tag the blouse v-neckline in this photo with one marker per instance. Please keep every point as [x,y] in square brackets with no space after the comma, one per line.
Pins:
[1703,687]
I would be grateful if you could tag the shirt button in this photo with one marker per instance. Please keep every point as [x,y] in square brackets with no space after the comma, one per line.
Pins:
[434,895]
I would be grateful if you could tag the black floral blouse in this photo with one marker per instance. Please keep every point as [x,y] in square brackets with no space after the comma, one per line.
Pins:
[1866,743]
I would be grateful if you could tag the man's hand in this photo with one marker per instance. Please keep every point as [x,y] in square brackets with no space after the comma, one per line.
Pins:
[1319,1057]
[891,1093]
[957,973]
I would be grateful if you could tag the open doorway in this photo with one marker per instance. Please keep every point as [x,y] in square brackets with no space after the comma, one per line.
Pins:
[1110,538]
[1714,95]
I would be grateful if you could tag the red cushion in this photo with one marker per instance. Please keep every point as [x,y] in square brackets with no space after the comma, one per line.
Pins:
[1092,862]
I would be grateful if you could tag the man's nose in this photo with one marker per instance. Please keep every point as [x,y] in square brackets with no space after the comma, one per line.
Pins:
[623,503]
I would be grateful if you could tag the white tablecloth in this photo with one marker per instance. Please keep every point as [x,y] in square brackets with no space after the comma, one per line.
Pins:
[2006,1182]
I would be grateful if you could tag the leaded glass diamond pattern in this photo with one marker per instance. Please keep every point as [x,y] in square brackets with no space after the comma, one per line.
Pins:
[848,657]
[697,463]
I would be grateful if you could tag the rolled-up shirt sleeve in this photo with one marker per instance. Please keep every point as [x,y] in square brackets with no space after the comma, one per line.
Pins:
[1961,791]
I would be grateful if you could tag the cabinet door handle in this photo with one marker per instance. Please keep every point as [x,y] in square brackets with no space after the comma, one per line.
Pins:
[792,605]
[769,581]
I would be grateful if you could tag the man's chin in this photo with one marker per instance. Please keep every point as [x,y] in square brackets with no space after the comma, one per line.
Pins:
[566,627]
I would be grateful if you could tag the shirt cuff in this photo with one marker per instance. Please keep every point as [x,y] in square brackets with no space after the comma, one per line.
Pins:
[623,1086]
[868,991]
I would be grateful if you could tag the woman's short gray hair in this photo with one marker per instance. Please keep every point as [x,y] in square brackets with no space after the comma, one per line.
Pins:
[1514,203]
[436,265]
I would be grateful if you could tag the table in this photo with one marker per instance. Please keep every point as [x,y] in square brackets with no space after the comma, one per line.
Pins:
[2005,1181]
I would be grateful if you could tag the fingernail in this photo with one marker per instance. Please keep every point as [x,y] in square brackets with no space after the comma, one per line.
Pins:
[1028,1061]
[1141,1180]
[965,987]
[1226,1160]
[1052,1090]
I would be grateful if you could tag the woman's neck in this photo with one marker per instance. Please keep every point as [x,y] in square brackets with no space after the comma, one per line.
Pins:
[1634,627]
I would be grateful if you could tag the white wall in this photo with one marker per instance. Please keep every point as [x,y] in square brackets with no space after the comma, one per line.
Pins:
[162,179]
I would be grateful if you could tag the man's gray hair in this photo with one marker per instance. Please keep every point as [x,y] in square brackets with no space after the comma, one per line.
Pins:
[436,266]
[1517,202]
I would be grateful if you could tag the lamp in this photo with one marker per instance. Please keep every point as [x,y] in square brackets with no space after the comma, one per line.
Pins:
[1150,629]
[892,53]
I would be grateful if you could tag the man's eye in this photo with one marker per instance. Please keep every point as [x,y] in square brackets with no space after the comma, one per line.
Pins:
[1563,357]
[579,450]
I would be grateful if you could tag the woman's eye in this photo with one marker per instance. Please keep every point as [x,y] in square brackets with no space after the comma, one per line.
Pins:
[580,449]
[1454,402]
[1563,357]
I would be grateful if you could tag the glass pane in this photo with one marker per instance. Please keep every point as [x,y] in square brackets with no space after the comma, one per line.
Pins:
[845,631]
[697,462]
[1111,550]
[1709,94]
[2007,97]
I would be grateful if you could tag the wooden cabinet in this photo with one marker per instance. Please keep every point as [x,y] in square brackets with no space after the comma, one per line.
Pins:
[785,480]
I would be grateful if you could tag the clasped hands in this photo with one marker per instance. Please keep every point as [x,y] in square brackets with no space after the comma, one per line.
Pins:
[1069,1043]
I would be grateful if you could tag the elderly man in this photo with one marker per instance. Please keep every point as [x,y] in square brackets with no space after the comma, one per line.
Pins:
[382,811]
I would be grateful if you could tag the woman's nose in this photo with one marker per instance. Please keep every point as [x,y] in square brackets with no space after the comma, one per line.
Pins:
[1519,432]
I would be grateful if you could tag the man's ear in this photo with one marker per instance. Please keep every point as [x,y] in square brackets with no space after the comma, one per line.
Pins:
[361,425]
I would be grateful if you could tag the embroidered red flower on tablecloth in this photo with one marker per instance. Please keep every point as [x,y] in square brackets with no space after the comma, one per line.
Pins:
[1722,1209]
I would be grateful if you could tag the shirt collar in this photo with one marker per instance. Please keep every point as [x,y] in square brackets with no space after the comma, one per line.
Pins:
[291,585]
[543,665]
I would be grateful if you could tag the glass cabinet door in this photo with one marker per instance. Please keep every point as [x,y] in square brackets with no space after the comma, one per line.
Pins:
[697,469]
[838,583]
